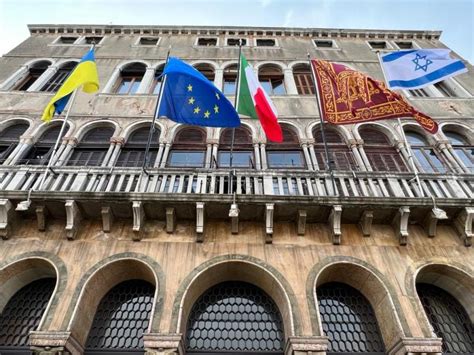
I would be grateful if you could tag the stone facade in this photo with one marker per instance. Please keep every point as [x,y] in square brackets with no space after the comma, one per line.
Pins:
[92,227]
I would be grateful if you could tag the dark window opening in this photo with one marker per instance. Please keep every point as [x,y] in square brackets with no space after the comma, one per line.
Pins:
[272,80]
[41,151]
[149,41]
[206,70]
[419,93]
[445,89]
[348,321]
[242,156]
[22,314]
[404,45]
[266,43]
[340,156]
[378,44]
[130,79]
[9,138]
[426,156]
[207,42]
[55,82]
[323,44]
[464,151]
[123,315]
[287,154]
[230,79]
[235,41]
[189,149]
[133,152]
[34,72]
[93,147]
[303,80]
[157,81]
[93,39]
[235,317]
[67,39]
[448,318]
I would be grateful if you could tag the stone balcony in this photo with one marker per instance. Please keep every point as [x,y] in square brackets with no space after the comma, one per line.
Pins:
[360,198]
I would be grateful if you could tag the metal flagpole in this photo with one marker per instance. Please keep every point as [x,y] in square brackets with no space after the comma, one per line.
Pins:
[236,104]
[155,114]
[326,150]
[405,140]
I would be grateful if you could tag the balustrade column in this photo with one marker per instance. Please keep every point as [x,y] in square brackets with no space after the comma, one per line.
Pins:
[258,164]
[19,75]
[165,155]
[117,143]
[156,164]
[263,153]
[147,80]
[290,82]
[43,79]
[357,156]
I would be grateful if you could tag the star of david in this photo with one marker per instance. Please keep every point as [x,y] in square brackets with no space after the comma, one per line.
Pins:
[418,62]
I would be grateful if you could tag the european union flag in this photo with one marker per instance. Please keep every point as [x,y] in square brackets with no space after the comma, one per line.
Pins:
[189,97]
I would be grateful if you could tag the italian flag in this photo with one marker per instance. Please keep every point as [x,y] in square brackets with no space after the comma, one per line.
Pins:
[253,101]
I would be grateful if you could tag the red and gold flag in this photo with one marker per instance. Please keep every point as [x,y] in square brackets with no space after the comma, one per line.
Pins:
[349,96]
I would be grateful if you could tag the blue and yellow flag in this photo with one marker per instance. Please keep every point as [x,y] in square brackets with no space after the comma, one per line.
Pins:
[85,74]
[189,97]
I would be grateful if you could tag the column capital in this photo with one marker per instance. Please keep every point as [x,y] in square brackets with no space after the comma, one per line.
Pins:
[117,140]
[161,344]
[306,344]
[71,141]
[416,346]
[46,342]
[27,139]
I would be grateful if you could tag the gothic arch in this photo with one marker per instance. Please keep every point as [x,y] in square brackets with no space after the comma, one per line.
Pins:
[95,124]
[127,131]
[44,126]
[102,277]
[235,267]
[342,130]
[370,282]
[389,132]
[16,120]
[462,129]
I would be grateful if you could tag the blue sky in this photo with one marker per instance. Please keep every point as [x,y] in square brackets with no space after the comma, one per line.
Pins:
[454,17]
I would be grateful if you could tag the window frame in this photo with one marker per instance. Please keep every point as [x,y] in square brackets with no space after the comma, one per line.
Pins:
[196,42]
[246,44]
[266,39]
[388,45]
[138,44]
[334,44]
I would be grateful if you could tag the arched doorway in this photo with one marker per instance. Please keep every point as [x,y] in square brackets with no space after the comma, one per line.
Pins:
[234,317]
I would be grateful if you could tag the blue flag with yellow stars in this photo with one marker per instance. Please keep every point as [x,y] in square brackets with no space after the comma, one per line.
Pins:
[189,97]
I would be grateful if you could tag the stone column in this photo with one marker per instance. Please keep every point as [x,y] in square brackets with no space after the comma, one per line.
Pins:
[165,155]
[359,153]
[105,161]
[147,80]
[71,143]
[17,76]
[25,143]
[163,344]
[156,164]
[403,149]
[258,164]
[117,143]
[263,156]
[358,158]
[112,81]
[207,163]
[290,82]
[54,343]
[219,79]
[309,163]
[43,79]
[312,152]
[451,152]
[215,146]
[306,345]
[453,163]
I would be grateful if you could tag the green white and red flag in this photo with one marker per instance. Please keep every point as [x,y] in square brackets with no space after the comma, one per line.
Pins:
[253,101]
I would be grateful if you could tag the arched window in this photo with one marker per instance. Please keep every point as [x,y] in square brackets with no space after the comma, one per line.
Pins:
[287,154]
[92,149]
[9,139]
[189,149]
[133,152]
[272,80]
[381,153]
[34,72]
[41,151]
[155,87]
[243,148]
[303,79]
[462,148]
[425,155]
[448,318]
[348,320]
[207,70]
[340,155]
[235,317]
[55,82]
[130,79]
[22,314]
[123,315]
[230,79]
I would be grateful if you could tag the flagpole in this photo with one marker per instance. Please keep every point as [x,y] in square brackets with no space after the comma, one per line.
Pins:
[405,140]
[153,122]
[326,150]
[236,103]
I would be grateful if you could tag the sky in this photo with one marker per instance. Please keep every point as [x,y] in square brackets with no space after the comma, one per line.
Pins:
[454,17]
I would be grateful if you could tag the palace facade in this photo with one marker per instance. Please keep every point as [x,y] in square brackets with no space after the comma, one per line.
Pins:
[106,257]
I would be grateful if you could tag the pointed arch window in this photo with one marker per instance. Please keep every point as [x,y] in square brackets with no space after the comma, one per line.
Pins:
[235,318]
[303,79]
[242,152]
[93,147]
[230,79]
[132,153]
[340,155]
[130,79]
[189,149]
[462,149]
[272,80]
[41,151]
[381,153]
[427,158]
[448,318]
[9,139]
[123,315]
[34,72]
[287,154]
[348,320]
[22,314]
[55,82]
[207,70]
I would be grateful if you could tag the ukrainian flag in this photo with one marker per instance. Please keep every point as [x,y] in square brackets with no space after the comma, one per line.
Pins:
[85,74]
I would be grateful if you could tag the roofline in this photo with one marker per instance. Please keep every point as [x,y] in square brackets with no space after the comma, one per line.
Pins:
[233,30]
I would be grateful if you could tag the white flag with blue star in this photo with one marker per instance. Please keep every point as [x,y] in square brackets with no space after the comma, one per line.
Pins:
[417,68]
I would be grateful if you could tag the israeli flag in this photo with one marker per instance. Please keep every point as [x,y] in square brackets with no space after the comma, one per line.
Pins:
[414,69]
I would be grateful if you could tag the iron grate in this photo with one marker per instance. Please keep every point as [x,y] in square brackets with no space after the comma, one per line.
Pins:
[122,317]
[348,320]
[23,312]
[448,318]
[234,316]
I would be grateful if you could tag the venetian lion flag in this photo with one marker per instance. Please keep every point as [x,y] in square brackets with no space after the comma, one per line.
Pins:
[85,75]
[253,101]
[348,96]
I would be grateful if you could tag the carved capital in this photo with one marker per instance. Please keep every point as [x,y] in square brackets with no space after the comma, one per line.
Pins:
[138,219]
[400,224]
[54,343]
[163,344]
[234,218]
[73,218]
[306,345]
[117,140]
